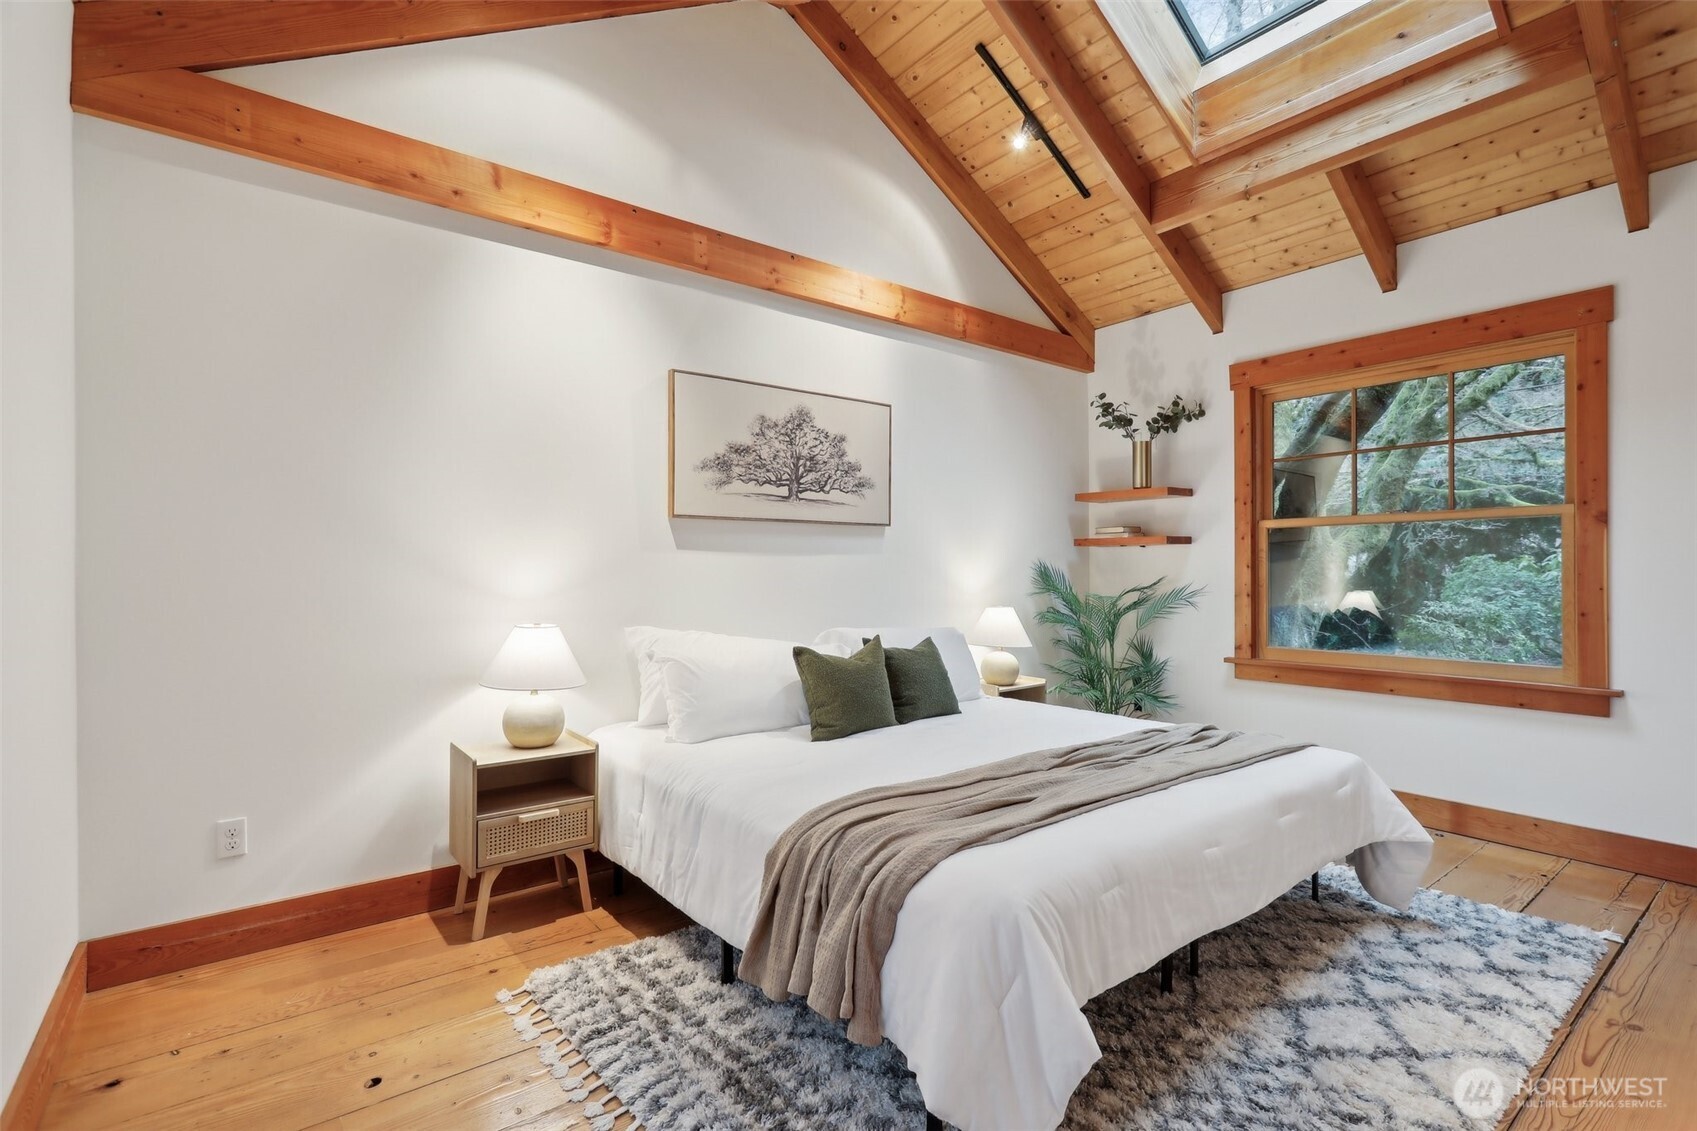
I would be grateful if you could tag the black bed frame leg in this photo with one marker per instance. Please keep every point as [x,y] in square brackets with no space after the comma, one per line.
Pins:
[618,880]
[1314,886]
[1167,974]
[727,963]
[932,1123]
[1195,957]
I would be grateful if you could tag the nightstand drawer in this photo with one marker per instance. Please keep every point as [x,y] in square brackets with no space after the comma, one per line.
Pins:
[544,831]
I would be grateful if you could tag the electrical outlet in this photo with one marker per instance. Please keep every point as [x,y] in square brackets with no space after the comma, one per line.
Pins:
[232,837]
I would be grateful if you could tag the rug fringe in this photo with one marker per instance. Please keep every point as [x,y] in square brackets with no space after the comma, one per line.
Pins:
[561,1057]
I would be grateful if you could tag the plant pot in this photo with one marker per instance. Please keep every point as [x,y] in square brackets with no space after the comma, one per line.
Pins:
[1142,463]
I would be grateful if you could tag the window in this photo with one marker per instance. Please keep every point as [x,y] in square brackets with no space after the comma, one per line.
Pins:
[1216,26]
[1423,512]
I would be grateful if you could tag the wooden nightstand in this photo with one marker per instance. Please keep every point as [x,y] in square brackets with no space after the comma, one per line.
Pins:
[507,806]
[1031,687]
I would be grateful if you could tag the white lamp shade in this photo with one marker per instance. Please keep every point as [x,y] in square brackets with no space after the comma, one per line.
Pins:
[535,657]
[999,627]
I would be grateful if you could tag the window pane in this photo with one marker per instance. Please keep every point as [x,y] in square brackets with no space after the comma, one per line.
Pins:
[1403,412]
[1517,397]
[1519,471]
[1404,479]
[1306,488]
[1311,424]
[1481,590]
[1221,24]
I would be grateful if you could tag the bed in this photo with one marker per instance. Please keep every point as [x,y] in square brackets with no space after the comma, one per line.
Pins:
[1007,941]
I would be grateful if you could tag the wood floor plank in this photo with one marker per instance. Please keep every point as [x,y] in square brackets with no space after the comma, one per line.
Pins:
[346,1082]
[295,1038]
[1507,877]
[1448,851]
[1596,897]
[1604,899]
[191,1014]
[321,972]
[490,1097]
[1640,1024]
[113,1096]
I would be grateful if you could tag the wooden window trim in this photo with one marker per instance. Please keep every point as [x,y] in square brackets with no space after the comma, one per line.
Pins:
[1576,324]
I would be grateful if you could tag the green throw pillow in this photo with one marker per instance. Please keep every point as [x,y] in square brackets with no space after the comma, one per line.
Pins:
[920,687]
[845,696]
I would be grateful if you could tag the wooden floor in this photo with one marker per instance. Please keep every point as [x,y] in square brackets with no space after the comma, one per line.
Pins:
[396,1026]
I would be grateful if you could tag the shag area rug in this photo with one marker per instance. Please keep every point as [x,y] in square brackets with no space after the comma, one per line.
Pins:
[1341,1013]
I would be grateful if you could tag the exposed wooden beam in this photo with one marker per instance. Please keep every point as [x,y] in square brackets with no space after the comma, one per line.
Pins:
[111,37]
[832,35]
[1367,220]
[1545,53]
[1600,25]
[202,109]
[1022,22]
[1499,16]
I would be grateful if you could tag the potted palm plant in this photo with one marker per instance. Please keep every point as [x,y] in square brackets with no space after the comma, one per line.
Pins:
[1115,679]
[1120,418]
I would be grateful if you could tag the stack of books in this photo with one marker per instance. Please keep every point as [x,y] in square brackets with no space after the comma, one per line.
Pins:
[1118,531]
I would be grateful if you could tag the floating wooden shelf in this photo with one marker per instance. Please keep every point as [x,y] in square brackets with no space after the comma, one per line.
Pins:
[1131,494]
[1137,540]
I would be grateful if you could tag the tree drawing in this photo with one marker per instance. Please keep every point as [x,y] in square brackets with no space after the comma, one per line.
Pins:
[791,453]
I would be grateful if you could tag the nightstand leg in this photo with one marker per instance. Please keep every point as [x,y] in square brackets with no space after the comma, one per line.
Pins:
[581,865]
[486,884]
[560,870]
[459,894]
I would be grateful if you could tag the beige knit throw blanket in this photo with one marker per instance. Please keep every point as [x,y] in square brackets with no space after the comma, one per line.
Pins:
[836,879]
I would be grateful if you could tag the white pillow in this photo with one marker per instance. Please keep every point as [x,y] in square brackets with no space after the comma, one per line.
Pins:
[651,694]
[951,643]
[721,685]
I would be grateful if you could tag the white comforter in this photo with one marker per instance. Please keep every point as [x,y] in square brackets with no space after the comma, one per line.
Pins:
[997,949]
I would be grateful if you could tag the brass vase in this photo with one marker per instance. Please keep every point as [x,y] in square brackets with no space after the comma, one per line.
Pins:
[1142,463]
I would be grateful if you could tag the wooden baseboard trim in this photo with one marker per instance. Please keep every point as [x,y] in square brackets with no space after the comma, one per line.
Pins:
[151,951]
[1656,858]
[28,1098]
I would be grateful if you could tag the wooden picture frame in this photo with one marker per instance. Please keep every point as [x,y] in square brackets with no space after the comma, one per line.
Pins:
[751,451]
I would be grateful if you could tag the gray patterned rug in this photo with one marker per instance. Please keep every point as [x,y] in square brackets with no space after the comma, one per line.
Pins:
[1341,1013]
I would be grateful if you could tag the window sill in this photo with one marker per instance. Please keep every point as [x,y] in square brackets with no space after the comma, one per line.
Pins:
[1562,698]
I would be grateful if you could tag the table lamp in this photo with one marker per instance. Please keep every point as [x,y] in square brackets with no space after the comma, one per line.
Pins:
[999,628]
[535,658]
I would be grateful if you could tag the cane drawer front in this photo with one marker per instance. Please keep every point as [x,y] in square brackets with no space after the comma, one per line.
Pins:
[544,831]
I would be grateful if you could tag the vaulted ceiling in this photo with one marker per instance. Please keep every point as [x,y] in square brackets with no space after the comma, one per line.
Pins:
[1499,117]
[1399,120]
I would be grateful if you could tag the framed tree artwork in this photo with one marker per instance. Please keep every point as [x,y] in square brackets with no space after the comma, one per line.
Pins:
[742,449]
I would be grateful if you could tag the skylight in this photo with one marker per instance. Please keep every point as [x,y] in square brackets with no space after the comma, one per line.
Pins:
[1214,27]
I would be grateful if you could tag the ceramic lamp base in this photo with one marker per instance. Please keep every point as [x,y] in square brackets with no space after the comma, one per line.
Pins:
[999,669]
[533,721]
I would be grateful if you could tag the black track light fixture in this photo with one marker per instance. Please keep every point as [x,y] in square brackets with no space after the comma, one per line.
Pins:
[1030,129]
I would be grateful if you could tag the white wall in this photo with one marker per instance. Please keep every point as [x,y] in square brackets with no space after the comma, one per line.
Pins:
[38,708]
[725,115]
[1633,773]
[327,456]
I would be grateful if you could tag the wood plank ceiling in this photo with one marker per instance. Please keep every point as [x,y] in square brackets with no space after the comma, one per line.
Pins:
[1397,121]
[1472,136]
